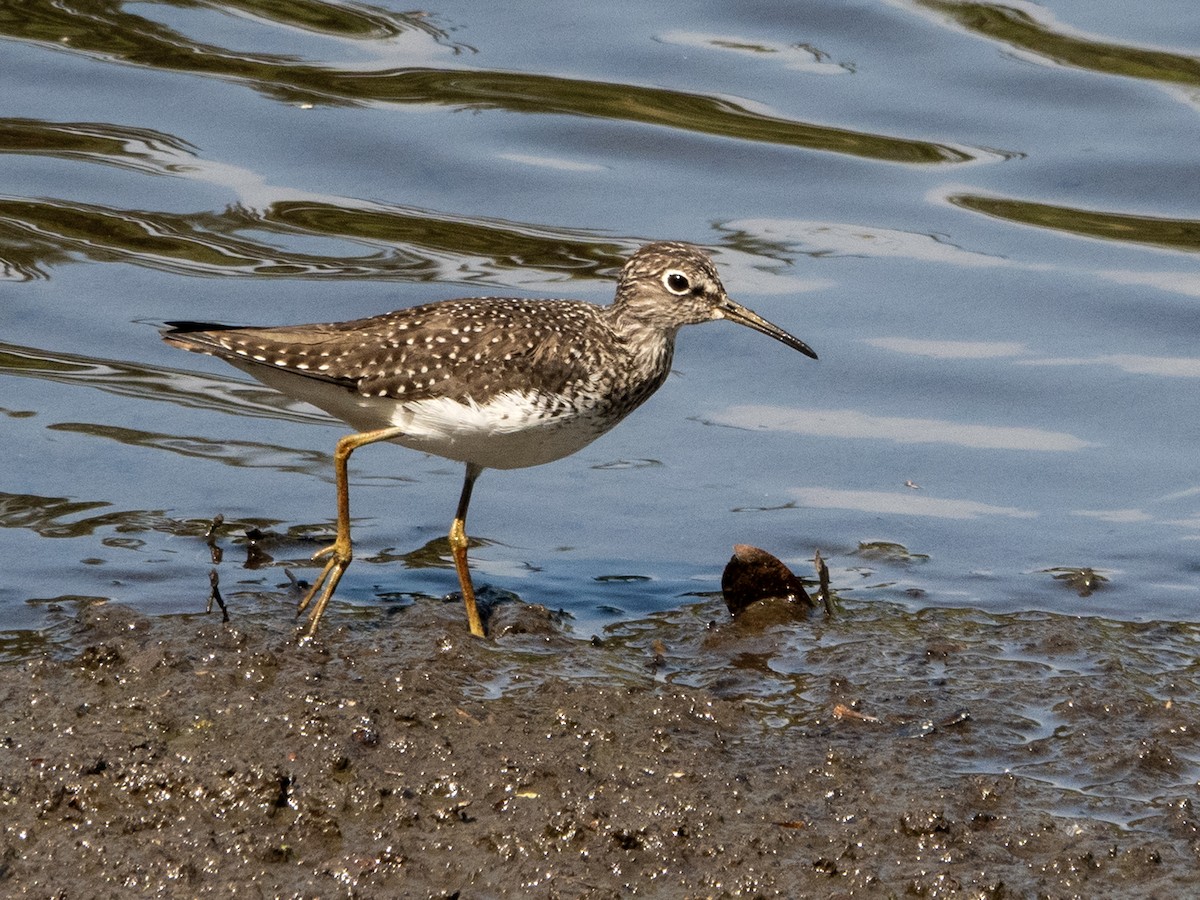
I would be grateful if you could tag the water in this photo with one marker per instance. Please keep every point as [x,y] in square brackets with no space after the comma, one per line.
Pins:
[985,219]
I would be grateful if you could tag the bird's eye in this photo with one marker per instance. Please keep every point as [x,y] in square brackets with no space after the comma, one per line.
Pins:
[676,282]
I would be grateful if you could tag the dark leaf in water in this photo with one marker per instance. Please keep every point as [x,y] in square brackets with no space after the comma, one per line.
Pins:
[752,575]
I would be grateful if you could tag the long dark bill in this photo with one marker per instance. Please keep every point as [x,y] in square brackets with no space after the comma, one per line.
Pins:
[735,312]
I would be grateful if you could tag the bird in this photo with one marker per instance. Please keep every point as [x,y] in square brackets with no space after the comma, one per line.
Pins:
[490,382]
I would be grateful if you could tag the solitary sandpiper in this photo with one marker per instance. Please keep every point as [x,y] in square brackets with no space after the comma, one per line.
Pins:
[493,382]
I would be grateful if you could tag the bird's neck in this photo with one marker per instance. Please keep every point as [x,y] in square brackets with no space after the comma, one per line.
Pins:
[640,321]
[647,349]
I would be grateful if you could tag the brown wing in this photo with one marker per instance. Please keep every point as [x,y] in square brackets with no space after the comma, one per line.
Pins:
[457,349]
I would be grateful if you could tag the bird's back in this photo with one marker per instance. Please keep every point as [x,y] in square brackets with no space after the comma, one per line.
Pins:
[499,382]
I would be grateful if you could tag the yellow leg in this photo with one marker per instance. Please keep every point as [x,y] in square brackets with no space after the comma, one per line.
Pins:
[458,547]
[339,552]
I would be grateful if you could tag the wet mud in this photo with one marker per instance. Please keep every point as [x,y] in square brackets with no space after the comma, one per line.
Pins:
[944,753]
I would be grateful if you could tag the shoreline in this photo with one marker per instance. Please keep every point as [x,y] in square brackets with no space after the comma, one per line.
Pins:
[180,756]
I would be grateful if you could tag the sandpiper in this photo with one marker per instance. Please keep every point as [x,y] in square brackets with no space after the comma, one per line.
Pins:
[493,382]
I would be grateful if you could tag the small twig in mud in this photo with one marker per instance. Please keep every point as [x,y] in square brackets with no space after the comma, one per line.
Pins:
[904,728]
[823,589]
[215,596]
[842,711]
[926,727]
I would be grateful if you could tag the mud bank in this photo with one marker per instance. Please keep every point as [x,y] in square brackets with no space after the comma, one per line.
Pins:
[938,754]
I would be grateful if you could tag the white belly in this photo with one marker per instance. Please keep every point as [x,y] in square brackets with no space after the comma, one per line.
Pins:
[511,431]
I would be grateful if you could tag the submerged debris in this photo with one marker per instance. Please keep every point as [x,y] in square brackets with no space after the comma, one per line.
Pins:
[1083,580]
[889,551]
[256,556]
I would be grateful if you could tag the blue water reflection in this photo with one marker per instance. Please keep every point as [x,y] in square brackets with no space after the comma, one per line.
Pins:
[984,218]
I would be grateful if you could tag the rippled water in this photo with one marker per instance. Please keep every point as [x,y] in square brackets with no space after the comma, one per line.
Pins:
[984,218]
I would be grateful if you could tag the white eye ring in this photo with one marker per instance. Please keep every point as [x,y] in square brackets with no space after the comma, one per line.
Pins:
[676,282]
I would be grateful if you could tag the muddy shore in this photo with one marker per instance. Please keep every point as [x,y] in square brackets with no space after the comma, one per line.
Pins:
[936,754]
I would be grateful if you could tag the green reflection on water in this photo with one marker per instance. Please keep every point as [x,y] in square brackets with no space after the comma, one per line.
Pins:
[1177,234]
[345,20]
[44,515]
[40,233]
[123,379]
[104,29]
[1019,29]
[98,142]
[505,245]
[240,454]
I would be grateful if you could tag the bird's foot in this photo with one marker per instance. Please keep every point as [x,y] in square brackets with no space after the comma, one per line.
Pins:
[340,555]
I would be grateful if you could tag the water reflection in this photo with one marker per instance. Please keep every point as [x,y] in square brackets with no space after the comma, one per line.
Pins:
[1032,30]
[338,19]
[1160,366]
[142,149]
[787,236]
[241,454]
[107,30]
[56,517]
[1174,234]
[61,209]
[124,379]
[934,349]
[797,57]
[408,244]
[906,503]
[51,232]
[854,424]
[1185,283]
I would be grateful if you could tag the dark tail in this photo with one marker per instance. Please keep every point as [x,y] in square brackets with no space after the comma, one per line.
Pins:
[196,336]
[170,328]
